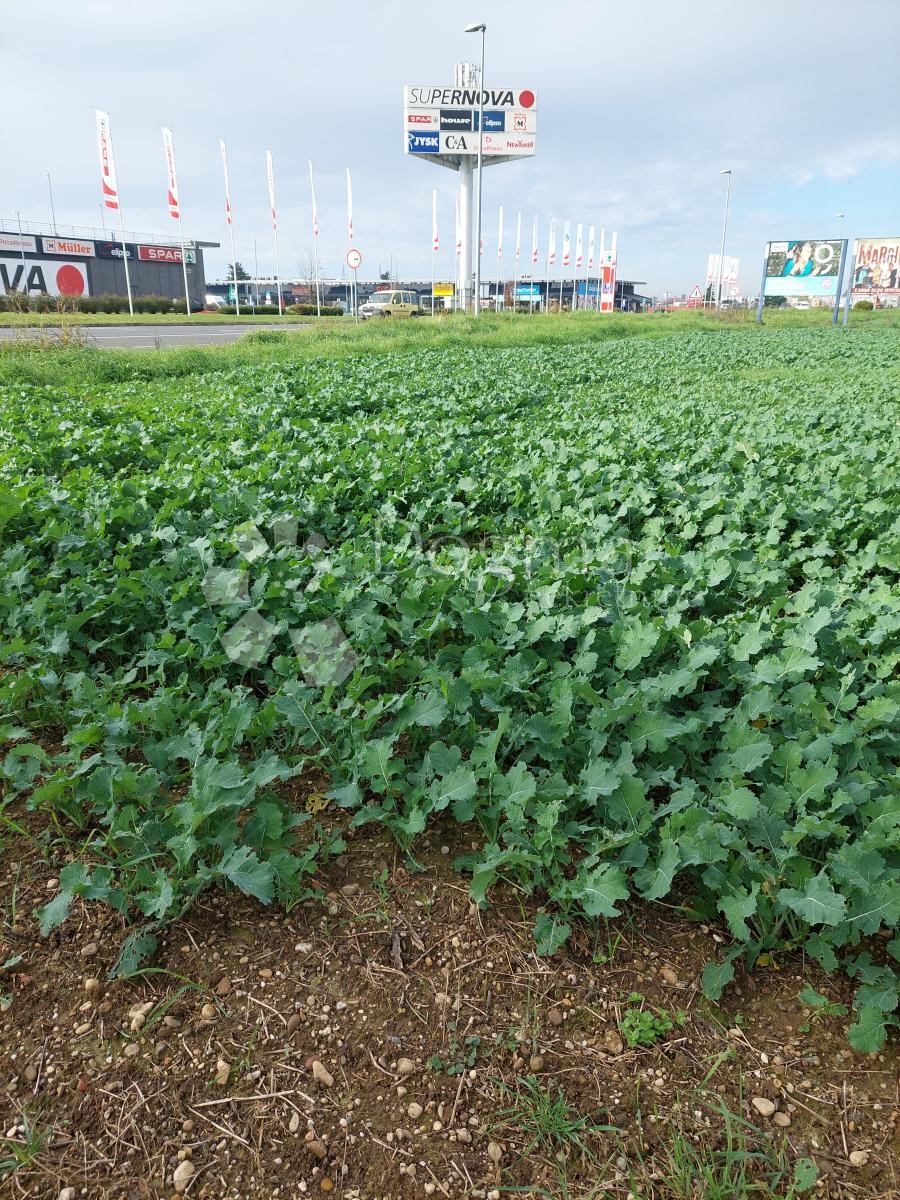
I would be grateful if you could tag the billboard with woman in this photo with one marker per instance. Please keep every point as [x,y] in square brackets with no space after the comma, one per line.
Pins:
[803,268]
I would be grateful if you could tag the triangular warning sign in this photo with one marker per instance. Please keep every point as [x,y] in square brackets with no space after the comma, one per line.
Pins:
[696,294]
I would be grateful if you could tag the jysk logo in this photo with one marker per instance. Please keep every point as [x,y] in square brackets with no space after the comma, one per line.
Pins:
[494,122]
[422,143]
[456,119]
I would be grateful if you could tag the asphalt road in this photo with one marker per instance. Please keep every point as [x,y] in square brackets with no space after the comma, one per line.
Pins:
[148,337]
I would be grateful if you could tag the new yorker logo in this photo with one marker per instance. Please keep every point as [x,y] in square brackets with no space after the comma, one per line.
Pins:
[432,97]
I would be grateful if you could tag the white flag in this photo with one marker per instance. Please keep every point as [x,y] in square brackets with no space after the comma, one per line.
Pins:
[518,239]
[435,239]
[349,209]
[579,247]
[107,162]
[551,245]
[312,192]
[534,245]
[500,236]
[172,194]
[227,188]
[567,244]
[590,248]
[458,230]
[270,176]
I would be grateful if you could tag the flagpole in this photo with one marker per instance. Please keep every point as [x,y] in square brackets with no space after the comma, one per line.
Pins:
[111,189]
[315,217]
[600,267]
[175,200]
[518,249]
[270,174]
[534,261]
[433,241]
[499,260]
[350,244]
[228,215]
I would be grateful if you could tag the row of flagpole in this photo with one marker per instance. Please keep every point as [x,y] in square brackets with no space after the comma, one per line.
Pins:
[112,200]
[583,261]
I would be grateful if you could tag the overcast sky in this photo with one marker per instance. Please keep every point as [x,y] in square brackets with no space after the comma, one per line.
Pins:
[640,105]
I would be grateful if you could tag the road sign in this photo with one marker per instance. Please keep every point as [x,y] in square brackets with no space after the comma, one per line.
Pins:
[354,258]
[444,289]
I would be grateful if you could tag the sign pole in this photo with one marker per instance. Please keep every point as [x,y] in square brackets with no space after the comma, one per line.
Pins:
[848,297]
[762,287]
[187,290]
[125,261]
[840,283]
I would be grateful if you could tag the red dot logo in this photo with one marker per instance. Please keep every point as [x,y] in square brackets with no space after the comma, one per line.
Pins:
[526,99]
[70,280]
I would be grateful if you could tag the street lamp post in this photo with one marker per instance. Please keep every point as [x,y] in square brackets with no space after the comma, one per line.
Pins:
[841,233]
[727,172]
[480,28]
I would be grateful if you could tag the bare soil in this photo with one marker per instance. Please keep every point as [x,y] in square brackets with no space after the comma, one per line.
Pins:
[392,1041]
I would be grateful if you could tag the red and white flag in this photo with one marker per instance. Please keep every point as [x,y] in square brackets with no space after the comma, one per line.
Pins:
[567,244]
[435,239]
[312,192]
[500,236]
[551,245]
[534,244]
[579,247]
[107,162]
[270,176]
[172,194]
[227,188]
[349,209]
[590,248]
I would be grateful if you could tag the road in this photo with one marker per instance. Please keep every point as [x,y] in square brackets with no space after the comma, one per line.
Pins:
[147,337]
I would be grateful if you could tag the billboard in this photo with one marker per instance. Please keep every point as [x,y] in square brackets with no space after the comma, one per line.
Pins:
[876,273]
[49,275]
[68,246]
[17,242]
[803,268]
[444,121]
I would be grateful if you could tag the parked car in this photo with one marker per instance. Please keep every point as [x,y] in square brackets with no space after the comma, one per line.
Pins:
[390,303]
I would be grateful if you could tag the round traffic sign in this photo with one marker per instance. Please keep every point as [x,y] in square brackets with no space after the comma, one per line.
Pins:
[354,259]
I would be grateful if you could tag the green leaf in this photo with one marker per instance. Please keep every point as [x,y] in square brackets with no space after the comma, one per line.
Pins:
[137,947]
[817,904]
[736,908]
[429,710]
[550,933]
[805,1174]
[600,890]
[716,977]
[242,868]
[55,912]
[655,882]
[457,788]
[869,1032]
[637,641]
[598,778]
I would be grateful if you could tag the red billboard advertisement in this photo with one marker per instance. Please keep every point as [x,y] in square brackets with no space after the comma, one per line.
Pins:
[876,272]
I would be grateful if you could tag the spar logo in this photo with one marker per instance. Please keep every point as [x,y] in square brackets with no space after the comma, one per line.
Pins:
[324,654]
[43,275]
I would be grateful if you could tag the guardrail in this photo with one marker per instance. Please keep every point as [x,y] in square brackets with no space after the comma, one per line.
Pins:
[91,233]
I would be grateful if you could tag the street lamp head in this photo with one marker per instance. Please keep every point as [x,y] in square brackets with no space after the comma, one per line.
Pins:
[475,28]
[727,171]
